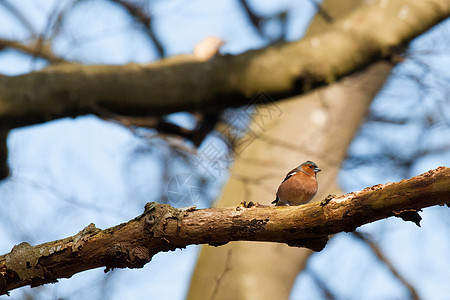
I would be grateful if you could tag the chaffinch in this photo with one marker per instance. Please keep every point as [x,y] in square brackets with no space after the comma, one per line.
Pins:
[299,186]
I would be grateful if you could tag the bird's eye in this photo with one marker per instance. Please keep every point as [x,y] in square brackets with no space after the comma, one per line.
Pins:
[311,166]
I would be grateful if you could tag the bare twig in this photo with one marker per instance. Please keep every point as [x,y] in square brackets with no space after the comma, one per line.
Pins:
[379,253]
[35,50]
[19,16]
[322,12]
[254,19]
[205,124]
[146,21]
[258,22]
[322,285]
[42,42]
[226,269]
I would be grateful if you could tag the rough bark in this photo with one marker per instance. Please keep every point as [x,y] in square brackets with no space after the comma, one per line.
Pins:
[163,228]
[372,32]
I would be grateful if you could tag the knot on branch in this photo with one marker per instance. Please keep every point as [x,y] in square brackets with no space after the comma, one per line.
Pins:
[83,236]
[247,228]
[244,204]
[327,200]
[22,265]
[126,256]
[156,216]
[22,261]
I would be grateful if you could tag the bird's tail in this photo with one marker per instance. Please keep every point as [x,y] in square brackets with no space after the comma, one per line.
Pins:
[275,201]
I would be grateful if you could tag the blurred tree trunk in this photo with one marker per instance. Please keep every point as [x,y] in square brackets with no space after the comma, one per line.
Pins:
[317,126]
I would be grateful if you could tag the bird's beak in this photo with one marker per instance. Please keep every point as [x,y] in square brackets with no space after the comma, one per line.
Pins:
[317,170]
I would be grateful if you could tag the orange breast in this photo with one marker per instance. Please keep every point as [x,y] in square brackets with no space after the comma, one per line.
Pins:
[298,189]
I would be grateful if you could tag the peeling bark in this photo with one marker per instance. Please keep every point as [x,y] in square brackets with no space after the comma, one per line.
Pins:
[163,228]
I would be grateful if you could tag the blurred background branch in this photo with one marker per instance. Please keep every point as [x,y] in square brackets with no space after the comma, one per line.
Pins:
[145,20]
[81,169]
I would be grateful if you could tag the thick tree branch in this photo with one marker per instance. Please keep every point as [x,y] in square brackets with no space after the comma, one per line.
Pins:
[163,228]
[183,83]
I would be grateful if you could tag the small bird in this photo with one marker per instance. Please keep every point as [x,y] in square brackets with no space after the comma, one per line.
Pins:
[299,186]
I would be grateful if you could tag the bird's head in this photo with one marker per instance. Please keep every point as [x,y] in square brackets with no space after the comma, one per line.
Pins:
[309,168]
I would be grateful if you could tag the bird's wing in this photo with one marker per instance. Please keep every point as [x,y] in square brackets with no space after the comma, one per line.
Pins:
[288,175]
